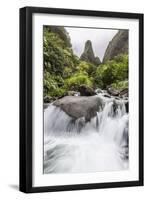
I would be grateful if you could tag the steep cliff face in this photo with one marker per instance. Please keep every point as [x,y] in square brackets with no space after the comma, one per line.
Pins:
[88,54]
[118,45]
[62,33]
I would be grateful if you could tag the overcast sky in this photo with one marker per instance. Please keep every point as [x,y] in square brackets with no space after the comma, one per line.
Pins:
[99,38]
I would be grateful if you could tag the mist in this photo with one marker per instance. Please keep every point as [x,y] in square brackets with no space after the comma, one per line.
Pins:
[100,39]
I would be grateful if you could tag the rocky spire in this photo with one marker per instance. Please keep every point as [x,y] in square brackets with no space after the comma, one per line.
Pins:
[88,54]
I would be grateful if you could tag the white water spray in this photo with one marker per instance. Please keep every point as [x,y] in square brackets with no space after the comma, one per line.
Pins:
[76,146]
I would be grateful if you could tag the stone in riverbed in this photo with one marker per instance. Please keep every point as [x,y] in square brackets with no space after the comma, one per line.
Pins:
[124,93]
[86,90]
[77,106]
[48,99]
[112,91]
[73,93]
[98,91]
[127,106]
[45,105]
[107,95]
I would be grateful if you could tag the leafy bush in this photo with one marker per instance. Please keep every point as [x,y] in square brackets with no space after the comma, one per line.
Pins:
[57,55]
[76,80]
[85,67]
[53,85]
[59,92]
[112,71]
[59,60]
[49,84]
[120,85]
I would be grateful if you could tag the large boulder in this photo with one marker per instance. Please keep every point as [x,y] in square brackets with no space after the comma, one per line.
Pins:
[77,106]
[88,54]
[112,91]
[118,45]
[123,93]
[86,90]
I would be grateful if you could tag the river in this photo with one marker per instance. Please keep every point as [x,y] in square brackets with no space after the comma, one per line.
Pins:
[77,147]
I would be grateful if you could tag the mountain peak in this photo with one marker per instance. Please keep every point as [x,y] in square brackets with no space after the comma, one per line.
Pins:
[88,54]
[118,45]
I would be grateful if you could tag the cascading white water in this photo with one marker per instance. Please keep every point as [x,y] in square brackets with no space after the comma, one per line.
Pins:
[76,146]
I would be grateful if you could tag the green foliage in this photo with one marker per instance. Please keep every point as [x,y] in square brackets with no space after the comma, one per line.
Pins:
[56,54]
[53,55]
[61,32]
[53,85]
[85,67]
[120,85]
[78,79]
[112,71]
[59,60]
[49,84]
[63,71]
[59,92]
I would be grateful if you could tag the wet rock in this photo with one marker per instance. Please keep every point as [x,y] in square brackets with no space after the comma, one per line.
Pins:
[115,107]
[107,95]
[45,105]
[124,93]
[117,98]
[127,106]
[73,93]
[112,91]
[98,91]
[48,99]
[77,107]
[86,90]
[104,91]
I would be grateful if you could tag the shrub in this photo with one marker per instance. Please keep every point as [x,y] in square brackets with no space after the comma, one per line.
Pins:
[120,85]
[78,79]
[57,54]
[53,85]
[87,68]
[112,71]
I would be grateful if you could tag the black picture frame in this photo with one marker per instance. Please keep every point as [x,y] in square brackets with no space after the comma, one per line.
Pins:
[26,92]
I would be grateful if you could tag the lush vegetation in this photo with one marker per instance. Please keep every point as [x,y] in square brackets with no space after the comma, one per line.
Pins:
[59,61]
[64,71]
[112,72]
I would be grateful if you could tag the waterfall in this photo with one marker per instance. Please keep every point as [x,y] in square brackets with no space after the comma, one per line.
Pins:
[76,146]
